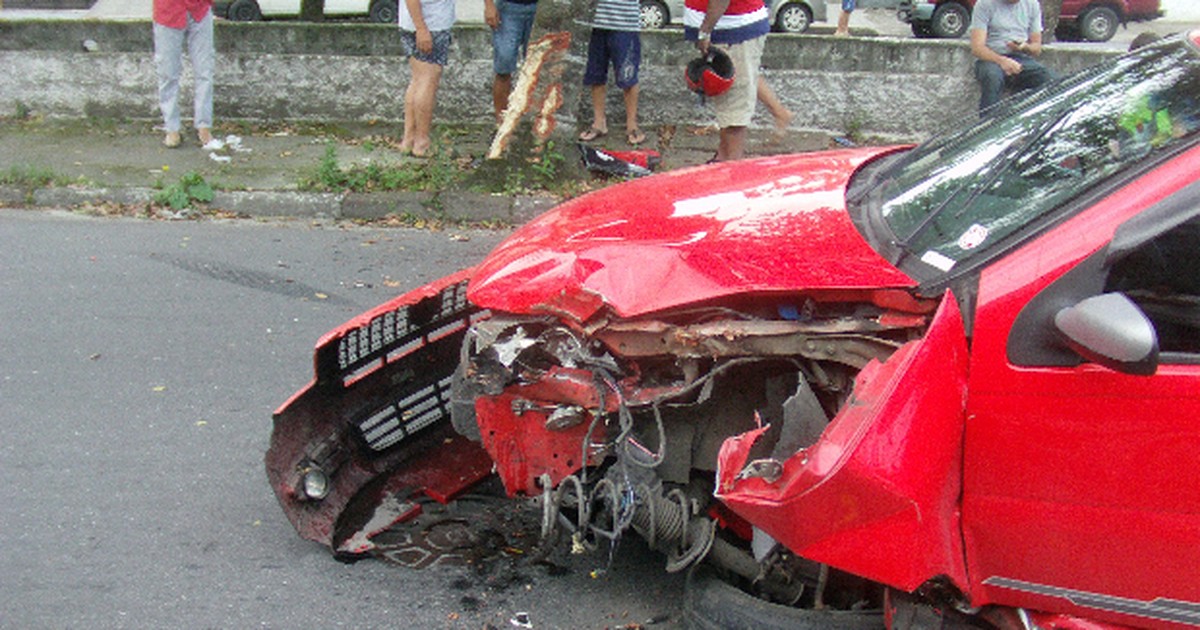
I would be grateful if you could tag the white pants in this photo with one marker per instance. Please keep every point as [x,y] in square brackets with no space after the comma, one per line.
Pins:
[168,59]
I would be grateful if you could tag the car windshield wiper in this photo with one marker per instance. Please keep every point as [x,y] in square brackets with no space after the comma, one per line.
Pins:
[1007,159]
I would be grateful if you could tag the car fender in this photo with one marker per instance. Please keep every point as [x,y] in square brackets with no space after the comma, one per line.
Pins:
[878,494]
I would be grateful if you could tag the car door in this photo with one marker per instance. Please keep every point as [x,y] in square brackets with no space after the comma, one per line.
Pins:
[1082,480]
[347,7]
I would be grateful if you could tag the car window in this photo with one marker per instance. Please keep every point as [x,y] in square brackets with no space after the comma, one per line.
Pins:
[954,198]
[1163,277]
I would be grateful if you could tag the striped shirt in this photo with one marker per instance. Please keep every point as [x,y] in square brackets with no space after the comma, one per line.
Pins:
[618,15]
[743,20]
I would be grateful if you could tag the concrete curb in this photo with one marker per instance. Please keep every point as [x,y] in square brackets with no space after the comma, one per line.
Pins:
[446,205]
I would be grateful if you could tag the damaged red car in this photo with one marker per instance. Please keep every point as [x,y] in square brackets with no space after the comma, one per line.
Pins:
[950,385]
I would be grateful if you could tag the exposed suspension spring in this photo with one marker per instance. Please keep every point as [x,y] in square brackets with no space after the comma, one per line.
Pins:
[669,522]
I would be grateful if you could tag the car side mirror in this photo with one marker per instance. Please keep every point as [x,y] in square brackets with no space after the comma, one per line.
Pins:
[1111,330]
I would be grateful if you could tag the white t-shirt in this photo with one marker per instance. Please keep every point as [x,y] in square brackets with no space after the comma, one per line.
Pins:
[438,14]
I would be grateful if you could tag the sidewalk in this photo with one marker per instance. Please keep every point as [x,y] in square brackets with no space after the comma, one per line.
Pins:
[100,163]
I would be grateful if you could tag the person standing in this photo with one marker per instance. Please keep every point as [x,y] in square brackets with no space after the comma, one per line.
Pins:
[1006,38]
[511,22]
[425,37]
[615,41]
[779,113]
[739,28]
[843,25]
[177,22]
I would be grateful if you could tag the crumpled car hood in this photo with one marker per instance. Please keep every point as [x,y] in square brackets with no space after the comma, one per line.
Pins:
[775,224]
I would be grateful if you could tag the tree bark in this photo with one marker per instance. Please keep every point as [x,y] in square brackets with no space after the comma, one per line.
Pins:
[314,10]
[548,91]
[1050,12]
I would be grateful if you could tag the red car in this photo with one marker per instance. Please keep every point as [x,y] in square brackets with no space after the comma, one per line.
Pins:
[1091,20]
[951,385]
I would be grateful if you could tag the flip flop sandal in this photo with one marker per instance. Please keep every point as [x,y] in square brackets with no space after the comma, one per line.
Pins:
[635,136]
[593,134]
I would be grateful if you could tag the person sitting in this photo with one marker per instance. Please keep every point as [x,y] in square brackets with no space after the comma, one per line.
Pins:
[1006,38]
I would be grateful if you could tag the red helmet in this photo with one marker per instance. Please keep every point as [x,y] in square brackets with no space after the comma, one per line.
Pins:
[711,74]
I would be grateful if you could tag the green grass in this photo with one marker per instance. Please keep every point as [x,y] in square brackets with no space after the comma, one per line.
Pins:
[32,177]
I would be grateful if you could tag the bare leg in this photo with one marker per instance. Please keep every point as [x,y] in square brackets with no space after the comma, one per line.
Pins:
[732,145]
[782,115]
[419,102]
[599,116]
[632,133]
[501,87]
[843,27]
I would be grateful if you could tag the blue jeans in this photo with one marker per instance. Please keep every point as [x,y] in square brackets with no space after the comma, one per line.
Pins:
[168,60]
[512,36]
[993,81]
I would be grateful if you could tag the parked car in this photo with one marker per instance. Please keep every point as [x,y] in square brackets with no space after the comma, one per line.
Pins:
[661,13]
[787,16]
[1091,20]
[384,11]
[795,16]
[951,385]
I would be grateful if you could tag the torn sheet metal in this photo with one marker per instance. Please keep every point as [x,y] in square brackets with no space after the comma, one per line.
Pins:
[884,476]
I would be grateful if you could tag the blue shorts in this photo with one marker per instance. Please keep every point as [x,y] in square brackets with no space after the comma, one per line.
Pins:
[510,39]
[440,54]
[623,49]
[848,5]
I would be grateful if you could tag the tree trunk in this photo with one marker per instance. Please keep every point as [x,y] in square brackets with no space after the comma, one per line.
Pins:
[314,10]
[1050,12]
[548,90]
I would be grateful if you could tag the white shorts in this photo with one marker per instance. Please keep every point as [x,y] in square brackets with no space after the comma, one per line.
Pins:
[735,108]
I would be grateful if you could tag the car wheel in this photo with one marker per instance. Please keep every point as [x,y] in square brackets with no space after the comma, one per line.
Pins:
[654,14]
[921,29]
[950,20]
[793,18]
[710,603]
[1098,24]
[1066,32]
[244,11]
[384,11]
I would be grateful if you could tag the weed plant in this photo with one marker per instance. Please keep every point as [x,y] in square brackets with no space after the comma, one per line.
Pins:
[190,188]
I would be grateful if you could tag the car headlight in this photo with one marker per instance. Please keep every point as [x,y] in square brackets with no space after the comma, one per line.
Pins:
[315,483]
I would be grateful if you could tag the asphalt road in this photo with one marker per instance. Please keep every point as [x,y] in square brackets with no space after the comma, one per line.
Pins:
[141,362]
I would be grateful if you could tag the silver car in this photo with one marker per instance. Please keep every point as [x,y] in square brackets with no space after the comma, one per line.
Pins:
[787,16]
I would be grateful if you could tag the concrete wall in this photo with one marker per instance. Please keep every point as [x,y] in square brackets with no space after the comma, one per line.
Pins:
[902,88]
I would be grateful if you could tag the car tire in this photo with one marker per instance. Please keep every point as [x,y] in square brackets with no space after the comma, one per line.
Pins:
[1066,32]
[244,11]
[1098,24]
[710,603]
[654,14]
[921,30]
[793,17]
[950,20]
[384,11]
